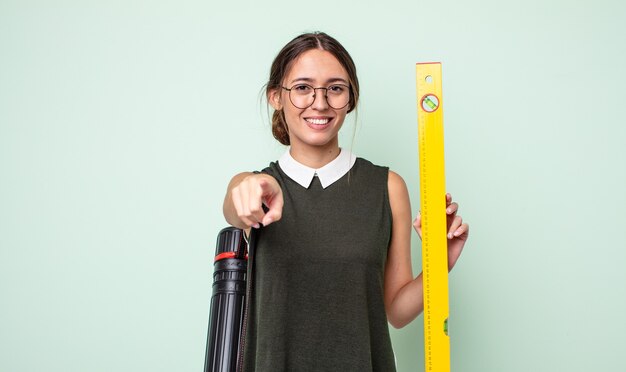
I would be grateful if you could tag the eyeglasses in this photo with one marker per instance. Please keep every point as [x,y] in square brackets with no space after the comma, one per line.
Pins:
[303,95]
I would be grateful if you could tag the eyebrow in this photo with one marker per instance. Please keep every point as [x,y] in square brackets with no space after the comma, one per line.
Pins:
[329,81]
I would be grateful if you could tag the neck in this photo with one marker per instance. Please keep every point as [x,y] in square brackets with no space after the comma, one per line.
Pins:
[315,159]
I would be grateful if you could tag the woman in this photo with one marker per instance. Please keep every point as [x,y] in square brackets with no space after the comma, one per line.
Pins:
[333,262]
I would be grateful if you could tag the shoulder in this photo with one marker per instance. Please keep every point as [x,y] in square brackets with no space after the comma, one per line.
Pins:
[396,184]
[396,187]
[369,167]
[392,176]
[398,193]
[273,169]
[373,177]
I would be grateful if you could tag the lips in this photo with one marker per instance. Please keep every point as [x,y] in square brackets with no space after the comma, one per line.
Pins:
[318,122]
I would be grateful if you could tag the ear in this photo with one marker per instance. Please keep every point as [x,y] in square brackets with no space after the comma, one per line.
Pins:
[273,97]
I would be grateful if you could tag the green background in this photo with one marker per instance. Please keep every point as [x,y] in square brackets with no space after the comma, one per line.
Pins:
[121,123]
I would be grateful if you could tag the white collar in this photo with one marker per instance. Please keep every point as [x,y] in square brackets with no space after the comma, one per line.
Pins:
[327,174]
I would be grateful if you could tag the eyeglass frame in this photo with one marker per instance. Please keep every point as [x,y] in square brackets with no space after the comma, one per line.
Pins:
[315,92]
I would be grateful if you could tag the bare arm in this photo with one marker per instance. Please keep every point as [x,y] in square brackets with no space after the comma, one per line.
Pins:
[404,293]
[245,196]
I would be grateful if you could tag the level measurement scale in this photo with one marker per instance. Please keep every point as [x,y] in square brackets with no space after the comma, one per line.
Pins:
[434,226]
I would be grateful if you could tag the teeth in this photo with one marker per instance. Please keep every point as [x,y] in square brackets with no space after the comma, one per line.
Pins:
[318,121]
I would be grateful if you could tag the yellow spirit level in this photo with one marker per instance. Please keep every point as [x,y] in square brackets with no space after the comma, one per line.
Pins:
[433,206]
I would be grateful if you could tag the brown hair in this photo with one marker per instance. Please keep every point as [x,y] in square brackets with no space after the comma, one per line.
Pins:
[283,62]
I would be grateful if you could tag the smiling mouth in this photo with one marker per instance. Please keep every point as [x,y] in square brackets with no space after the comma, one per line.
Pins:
[318,121]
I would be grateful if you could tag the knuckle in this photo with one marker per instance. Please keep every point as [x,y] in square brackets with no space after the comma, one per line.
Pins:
[255,209]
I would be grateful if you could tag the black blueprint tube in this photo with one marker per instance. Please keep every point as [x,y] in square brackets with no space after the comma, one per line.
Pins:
[227,302]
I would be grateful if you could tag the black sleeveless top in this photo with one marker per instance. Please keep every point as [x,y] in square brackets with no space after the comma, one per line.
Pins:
[317,301]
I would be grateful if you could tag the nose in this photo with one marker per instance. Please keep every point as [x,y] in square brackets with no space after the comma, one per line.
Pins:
[320,101]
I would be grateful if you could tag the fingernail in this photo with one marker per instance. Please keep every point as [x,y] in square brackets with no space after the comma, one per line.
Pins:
[256,225]
[449,235]
[457,233]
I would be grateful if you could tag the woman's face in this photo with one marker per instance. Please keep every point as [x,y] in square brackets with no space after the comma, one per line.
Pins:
[316,126]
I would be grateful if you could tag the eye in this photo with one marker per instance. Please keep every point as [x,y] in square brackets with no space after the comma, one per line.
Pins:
[302,89]
[337,89]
